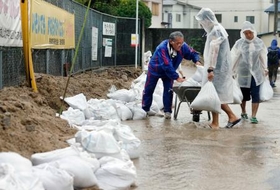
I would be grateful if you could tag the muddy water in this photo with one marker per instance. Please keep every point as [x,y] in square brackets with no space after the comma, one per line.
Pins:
[183,155]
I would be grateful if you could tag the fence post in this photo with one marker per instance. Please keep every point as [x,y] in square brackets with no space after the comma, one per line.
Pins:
[63,62]
[47,61]
[1,66]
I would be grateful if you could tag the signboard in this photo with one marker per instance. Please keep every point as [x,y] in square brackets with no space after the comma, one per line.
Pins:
[94,46]
[10,23]
[107,42]
[51,27]
[108,29]
[134,40]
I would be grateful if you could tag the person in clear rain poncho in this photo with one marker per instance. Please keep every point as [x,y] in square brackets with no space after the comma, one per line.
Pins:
[249,58]
[217,64]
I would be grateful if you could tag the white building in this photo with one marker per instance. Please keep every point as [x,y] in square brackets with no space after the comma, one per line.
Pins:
[179,14]
[230,13]
[156,8]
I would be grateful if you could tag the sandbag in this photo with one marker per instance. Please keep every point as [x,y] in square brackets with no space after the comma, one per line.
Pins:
[266,91]
[237,93]
[11,179]
[115,174]
[79,169]
[19,162]
[207,99]
[53,178]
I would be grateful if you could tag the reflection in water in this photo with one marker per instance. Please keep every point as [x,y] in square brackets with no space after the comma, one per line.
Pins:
[182,156]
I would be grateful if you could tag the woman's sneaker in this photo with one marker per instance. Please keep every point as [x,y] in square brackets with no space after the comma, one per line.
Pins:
[254,120]
[244,116]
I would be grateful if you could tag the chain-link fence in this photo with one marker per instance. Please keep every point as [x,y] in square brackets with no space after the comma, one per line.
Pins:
[57,62]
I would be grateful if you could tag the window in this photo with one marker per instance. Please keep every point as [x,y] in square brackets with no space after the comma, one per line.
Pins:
[219,17]
[178,17]
[235,18]
[250,19]
[155,9]
[278,24]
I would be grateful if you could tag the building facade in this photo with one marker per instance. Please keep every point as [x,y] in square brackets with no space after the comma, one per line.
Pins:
[156,8]
[230,13]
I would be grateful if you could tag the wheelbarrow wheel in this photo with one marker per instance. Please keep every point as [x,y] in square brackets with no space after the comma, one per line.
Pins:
[196,117]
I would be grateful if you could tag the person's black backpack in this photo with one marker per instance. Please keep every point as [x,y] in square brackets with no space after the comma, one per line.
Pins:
[272,55]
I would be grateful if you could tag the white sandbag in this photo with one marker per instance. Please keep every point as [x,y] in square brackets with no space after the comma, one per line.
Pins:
[78,101]
[112,89]
[158,100]
[44,157]
[123,95]
[53,178]
[73,116]
[93,125]
[266,91]
[138,112]
[101,110]
[129,141]
[141,77]
[89,111]
[123,111]
[190,82]
[98,142]
[115,174]
[207,99]
[19,162]
[159,88]
[237,93]
[197,76]
[79,169]
[18,180]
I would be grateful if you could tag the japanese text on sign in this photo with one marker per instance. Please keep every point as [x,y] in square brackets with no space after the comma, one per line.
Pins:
[108,29]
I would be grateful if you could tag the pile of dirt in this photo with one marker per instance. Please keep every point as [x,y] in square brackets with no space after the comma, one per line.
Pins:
[28,119]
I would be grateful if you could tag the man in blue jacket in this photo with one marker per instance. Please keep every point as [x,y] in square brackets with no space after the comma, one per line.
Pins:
[163,65]
[273,57]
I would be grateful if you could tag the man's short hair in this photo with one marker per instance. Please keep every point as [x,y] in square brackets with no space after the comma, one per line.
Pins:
[175,34]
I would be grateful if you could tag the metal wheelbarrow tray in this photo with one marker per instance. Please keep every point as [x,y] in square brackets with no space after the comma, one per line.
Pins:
[187,94]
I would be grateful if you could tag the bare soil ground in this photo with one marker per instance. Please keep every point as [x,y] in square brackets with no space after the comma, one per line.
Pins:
[27,118]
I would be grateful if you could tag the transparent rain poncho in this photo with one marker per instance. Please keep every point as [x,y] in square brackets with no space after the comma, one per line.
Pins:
[217,55]
[249,58]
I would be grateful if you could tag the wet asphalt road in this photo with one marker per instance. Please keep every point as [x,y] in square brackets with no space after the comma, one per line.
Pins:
[183,155]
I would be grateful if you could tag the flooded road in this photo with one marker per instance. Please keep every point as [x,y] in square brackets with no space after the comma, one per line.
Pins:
[183,155]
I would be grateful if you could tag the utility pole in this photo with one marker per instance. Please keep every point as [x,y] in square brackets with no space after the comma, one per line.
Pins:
[136,32]
[275,17]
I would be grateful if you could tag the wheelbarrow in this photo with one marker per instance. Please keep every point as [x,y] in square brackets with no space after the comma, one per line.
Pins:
[187,94]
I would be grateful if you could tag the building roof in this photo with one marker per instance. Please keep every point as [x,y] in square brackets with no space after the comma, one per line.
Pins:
[271,8]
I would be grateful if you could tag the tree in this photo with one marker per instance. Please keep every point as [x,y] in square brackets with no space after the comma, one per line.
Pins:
[127,8]
[107,7]
[123,8]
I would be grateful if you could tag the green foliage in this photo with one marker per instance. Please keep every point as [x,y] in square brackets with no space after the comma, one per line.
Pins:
[108,7]
[197,44]
[127,8]
[122,8]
